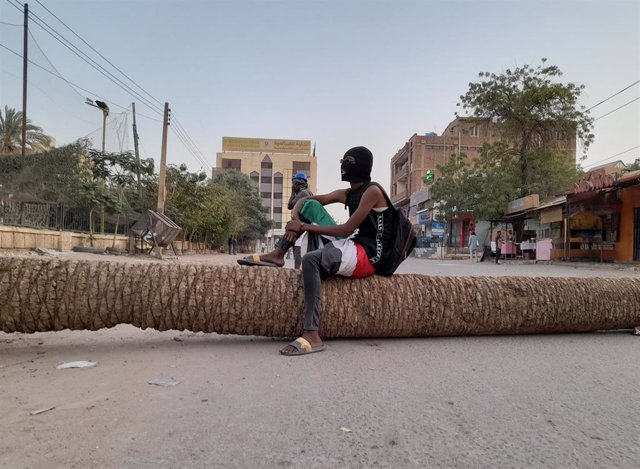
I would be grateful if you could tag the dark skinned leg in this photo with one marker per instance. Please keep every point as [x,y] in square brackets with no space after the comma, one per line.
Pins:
[315,265]
[279,251]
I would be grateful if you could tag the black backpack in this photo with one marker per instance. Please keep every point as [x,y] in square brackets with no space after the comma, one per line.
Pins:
[399,247]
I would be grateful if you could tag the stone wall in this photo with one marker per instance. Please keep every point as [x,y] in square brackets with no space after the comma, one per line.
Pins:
[13,237]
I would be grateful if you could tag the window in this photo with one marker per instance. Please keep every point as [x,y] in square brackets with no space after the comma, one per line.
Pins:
[266,167]
[560,135]
[474,131]
[302,166]
[255,177]
[277,183]
[231,163]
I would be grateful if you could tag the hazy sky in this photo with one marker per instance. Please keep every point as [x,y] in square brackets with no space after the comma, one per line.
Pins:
[338,73]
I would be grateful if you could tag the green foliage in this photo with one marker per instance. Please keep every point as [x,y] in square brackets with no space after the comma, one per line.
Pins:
[11,134]
[119,173]
[214,209]
[450,189]
[635,166]
[208,210]
[485,186]
[57,175]
[249,220]
[530,104]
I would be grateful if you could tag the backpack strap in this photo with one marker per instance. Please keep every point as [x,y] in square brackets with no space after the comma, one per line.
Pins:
[386,197]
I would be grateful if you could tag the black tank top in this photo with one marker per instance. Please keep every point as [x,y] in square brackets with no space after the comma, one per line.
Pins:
[375,230]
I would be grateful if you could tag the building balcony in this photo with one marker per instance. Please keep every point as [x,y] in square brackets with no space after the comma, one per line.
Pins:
[401,174]
[400,198]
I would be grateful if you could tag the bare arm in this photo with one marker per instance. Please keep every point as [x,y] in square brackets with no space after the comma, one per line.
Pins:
[290,204]
[372,197]
[303,194]
[337,196]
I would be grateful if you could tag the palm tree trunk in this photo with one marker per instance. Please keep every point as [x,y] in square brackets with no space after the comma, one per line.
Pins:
[50,295]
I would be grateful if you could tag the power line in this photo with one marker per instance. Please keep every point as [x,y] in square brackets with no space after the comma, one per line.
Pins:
[15,6]
[91,93]
[615,94]
[185,138]
[53,100]
[181,127]
[83,56]
[102,56]
[186,144]
[616,109]
[610,157]
[72,86]
[10,24]
[53,66]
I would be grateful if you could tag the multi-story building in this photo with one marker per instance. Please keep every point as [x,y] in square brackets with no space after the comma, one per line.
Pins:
[424,153]
[270,163]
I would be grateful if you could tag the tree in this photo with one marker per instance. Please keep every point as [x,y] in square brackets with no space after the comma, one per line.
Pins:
[451,188]
[533,110]
[484,186]
[635,166]
[249,220]
[11,134]
[56,175]
[51,295]
[198,206]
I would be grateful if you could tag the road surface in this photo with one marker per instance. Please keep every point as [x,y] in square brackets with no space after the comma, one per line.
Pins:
[518,401]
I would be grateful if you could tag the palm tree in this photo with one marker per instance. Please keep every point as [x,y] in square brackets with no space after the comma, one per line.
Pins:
[51,295]
[11,134]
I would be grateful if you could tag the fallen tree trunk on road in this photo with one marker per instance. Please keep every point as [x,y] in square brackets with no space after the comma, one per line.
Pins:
[51,295]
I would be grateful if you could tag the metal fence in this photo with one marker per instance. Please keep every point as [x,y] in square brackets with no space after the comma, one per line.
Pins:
[60,217]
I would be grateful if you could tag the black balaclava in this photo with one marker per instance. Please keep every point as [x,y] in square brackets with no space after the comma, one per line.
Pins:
[358,170]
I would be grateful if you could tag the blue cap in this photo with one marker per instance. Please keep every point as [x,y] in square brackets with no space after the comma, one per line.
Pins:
[300,176]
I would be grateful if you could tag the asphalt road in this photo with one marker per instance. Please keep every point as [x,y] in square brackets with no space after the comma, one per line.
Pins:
[518,401]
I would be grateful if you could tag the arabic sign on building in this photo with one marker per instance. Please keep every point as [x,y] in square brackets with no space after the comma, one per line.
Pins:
[424,216]
[437,228]
[551,215]
[266,145]
[524,203]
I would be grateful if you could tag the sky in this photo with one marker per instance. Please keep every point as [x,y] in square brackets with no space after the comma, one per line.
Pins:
[339,73]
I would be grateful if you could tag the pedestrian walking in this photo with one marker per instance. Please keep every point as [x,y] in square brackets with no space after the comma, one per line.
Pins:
[499,243]
[473,246]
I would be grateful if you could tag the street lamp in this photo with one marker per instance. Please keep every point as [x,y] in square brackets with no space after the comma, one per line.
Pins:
[105,112]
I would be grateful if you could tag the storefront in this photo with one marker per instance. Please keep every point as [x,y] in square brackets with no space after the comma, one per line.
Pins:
[521,228]
[550,239]
[604,218]
[593,224]
[461,225]
[628,245]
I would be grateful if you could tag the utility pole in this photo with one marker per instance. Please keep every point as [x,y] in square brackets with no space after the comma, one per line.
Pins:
[25,61]
[163,160]
[135,146]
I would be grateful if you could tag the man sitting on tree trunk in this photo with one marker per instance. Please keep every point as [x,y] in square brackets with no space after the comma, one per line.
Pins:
[353,249]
